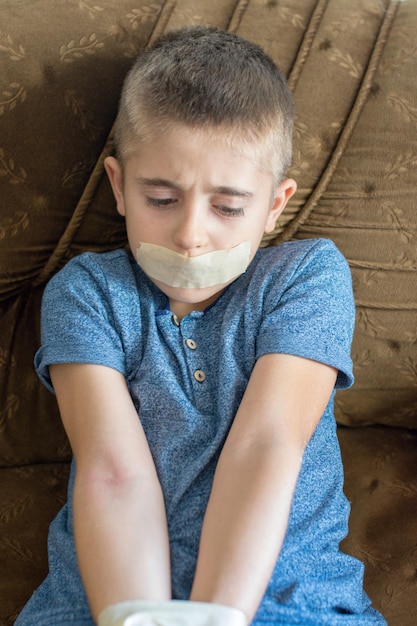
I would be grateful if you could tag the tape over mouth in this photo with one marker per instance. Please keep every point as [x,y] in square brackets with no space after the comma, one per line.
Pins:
[196,272]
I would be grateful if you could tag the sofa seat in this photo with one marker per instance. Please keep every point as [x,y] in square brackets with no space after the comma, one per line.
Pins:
[30,497]
[381,484]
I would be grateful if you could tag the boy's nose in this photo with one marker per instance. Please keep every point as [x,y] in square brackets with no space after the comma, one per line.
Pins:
[190,231]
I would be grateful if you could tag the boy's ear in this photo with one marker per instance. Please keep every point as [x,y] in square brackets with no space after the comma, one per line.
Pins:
[114,172]
[283,193]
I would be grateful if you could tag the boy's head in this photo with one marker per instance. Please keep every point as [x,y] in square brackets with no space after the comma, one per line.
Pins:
[208,79]
[203,140]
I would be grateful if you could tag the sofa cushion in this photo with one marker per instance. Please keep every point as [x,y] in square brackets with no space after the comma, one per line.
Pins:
[30,427]
[356,162]
[381,483]
[30,497]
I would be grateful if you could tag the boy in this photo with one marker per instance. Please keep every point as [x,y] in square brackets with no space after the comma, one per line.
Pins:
[195,376]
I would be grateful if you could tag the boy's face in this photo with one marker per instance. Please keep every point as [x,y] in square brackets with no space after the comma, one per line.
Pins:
[192,192]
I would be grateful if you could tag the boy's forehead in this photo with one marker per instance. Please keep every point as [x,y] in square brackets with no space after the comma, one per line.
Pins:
[241,143]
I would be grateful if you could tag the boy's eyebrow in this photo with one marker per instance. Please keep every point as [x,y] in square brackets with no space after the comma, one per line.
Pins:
[157,182]
[233,191]
[224,190]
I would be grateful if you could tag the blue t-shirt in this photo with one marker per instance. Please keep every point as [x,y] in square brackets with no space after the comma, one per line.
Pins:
[296,299]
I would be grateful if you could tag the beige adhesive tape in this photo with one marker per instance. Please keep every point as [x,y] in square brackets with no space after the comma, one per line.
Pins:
[196,272]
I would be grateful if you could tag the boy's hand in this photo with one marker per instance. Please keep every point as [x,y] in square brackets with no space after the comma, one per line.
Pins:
[173,613]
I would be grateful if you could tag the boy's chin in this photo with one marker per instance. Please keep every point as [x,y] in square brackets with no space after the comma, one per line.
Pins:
[191,299]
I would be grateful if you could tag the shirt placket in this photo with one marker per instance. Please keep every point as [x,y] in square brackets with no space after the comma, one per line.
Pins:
[192,352]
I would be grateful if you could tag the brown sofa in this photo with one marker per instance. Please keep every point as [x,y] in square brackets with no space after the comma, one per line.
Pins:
[352,65]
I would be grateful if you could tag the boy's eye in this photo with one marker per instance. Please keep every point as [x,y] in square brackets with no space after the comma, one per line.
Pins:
[228,211]
[160,203]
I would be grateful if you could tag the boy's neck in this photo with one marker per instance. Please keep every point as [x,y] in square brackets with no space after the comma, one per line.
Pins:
[181,309]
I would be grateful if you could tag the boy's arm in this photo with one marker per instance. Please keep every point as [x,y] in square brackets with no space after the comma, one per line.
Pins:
[248,511]
[118,504]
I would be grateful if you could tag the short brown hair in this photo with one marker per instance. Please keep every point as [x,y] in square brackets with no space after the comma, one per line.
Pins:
[204,77]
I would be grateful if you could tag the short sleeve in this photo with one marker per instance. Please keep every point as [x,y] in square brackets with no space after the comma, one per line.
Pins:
[313,315]
[77,324]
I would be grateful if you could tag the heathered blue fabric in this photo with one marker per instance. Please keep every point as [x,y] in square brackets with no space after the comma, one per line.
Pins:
[296,299]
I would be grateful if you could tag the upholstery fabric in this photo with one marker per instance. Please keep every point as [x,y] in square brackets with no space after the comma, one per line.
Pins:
[352,66]
[381,482]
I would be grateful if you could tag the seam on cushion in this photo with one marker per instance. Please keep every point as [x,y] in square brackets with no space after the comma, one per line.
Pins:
[90,189]
[385,267]
[306,43]
[237,15]
[77,217]
[361,98]
[162,21]
[362,304]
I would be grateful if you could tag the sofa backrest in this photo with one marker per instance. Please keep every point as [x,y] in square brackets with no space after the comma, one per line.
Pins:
[352,67]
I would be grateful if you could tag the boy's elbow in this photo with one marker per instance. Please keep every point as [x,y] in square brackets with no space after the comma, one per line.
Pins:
[260,452]
[114,475]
